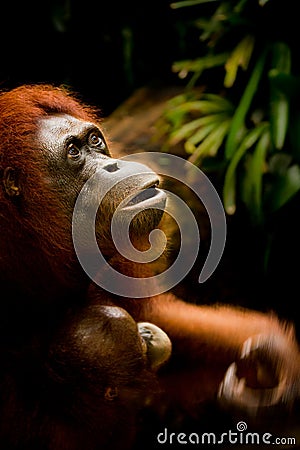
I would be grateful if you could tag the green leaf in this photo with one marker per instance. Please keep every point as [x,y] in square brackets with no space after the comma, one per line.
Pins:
[286,83]
[179,99]
[279,100]
[240,57]
[185,131]
[199,64]
[281,59]
[240,6]
[285,188]
[229,188]
[219,99]
[185,3]
[198,136]
[279,118]
[211,144]
[279,163]
[203,107]
[239,117]
[252,190]
[190,145]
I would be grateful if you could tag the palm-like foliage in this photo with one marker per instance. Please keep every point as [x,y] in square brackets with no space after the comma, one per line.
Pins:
[247,123]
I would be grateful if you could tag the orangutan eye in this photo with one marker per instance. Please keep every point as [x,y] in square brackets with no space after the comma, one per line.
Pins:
[97,141]
[73,151]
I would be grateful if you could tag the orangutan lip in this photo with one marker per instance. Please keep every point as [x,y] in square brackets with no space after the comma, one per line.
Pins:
[145,194]
[147,197]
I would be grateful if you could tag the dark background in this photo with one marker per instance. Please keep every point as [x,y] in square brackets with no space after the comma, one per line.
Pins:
[102,49]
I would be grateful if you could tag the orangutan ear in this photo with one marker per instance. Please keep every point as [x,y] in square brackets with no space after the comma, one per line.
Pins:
[10,182]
